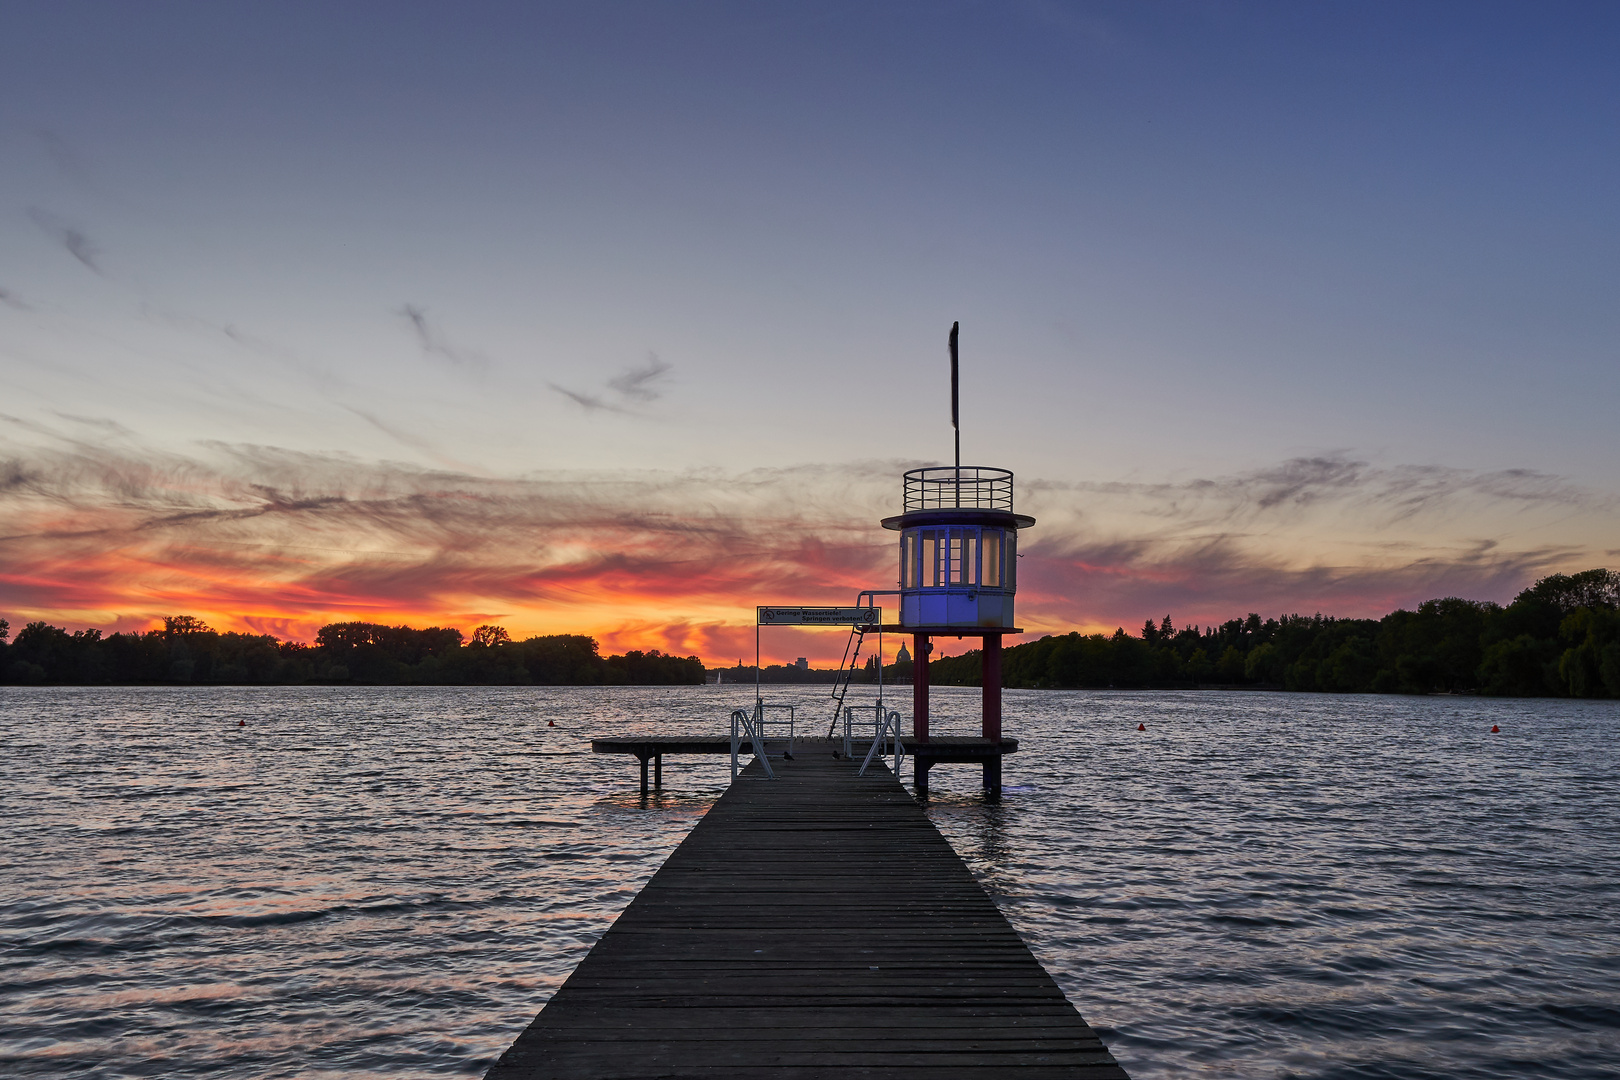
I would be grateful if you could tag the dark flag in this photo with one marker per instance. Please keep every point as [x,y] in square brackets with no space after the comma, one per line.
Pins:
[956,424]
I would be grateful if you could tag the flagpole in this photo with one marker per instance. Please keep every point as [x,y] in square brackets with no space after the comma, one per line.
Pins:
[956,423]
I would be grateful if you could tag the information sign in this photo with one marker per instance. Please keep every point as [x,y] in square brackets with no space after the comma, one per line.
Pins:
[820,616]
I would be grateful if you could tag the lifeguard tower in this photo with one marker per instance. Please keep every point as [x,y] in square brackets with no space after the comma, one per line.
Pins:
[958,576]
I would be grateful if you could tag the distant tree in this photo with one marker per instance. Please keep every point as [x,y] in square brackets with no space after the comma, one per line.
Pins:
[1590,667]
[341,638]
[485,636]
[1589,589]
[560,660]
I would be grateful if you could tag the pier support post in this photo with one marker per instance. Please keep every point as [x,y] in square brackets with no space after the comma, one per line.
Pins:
[658,771]
[643,758]
[921,647]
[919,768]
[991,728]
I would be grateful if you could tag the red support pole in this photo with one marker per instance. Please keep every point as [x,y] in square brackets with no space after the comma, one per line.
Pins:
[920,648]
[992,685]
[991,681]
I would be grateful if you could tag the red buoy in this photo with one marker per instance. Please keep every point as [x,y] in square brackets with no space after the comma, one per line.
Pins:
[1141,727]
[241,723]
[551,723]
[1495,730]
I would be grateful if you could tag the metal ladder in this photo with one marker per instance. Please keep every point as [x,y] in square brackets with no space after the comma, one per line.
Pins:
[846,674]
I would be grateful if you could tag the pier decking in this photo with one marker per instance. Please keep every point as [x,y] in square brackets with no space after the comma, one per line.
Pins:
[814,925]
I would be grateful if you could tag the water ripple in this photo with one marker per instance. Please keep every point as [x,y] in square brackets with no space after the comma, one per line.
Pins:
[387,882]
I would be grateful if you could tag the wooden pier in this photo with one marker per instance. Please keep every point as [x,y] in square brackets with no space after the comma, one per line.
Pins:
[813,925]
[927,751]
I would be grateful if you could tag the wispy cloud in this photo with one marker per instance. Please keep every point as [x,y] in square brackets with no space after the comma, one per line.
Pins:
[408,438]
[1112,584]
[70,164]
[1328,533]
[635,386]
[641,383]
[240,533]
[12,301]
[1300,487]
[69,236]
[434,343]
[588,402]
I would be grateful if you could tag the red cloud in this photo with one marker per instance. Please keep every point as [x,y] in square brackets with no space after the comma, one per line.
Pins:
[269,541]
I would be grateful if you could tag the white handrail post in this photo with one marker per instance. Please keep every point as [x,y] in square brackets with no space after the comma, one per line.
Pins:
[734,743]
[880,729]
[758,733]
[899,747]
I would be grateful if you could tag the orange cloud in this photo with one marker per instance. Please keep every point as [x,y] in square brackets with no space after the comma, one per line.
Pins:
[271,541]
[274,541]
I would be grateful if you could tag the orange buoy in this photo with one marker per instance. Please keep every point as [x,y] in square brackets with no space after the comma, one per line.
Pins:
[1495,730]
[1141,727]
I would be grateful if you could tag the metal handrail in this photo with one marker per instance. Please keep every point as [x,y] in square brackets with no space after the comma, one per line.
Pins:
[792,723]
[960,487]
[885,728]
[749,726]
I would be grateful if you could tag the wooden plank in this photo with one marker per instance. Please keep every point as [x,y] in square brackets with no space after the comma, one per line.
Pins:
[810,927]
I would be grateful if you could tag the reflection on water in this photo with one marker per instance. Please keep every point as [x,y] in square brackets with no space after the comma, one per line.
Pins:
[390,881]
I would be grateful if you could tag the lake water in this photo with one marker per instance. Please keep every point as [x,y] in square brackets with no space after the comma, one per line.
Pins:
[390,881]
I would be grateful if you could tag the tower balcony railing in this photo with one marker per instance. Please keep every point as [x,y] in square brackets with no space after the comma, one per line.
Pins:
[959,487]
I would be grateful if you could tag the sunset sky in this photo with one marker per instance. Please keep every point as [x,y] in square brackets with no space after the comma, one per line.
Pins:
[624,318]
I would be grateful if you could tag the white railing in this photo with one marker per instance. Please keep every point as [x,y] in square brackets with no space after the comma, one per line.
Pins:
[749,726]
[885,727]
[958,487]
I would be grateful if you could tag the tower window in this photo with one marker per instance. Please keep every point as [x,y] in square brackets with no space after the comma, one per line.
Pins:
[959,557]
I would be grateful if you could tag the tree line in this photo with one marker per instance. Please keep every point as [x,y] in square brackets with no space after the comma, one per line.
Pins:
[187,651]
[1558,638]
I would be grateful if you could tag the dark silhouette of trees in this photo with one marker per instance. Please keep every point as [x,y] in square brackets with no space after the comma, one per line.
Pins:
[188,651]
[1560,637]
[487,635]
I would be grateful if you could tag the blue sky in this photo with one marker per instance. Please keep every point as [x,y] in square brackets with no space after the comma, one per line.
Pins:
[1315,302]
